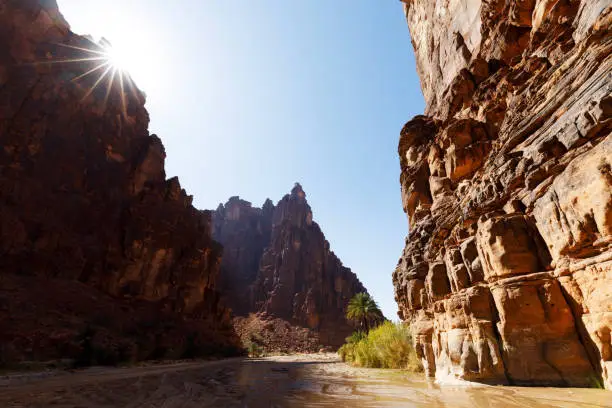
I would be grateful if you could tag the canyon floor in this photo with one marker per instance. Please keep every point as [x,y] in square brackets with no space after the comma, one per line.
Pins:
[318,380]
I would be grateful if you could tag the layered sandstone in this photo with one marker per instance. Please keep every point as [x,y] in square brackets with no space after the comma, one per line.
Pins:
[83,195]
[506,276]
[277,262]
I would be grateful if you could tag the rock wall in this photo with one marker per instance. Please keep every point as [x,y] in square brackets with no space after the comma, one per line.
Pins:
[277,262]
[83,193]
[506,276]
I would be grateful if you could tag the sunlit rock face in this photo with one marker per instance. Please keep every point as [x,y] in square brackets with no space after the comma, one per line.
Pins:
[506,276]
[83,193]
[277,262]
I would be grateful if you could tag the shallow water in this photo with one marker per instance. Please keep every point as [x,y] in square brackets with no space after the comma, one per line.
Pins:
[289,381]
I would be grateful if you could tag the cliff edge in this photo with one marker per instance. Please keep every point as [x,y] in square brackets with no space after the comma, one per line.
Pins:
[93,237]
[506,180]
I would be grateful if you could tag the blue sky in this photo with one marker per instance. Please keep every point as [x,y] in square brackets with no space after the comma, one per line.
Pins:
[250,97]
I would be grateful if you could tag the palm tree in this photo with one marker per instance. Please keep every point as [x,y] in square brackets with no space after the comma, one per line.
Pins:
[363,309]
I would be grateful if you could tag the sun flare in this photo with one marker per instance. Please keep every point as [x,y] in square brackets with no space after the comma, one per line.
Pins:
[117,59]
[107,67]
[122,58]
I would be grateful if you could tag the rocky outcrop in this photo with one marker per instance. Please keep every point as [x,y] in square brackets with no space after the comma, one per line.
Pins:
[272,335]
[507,270]
[245,233]
[278,263]
[83,193]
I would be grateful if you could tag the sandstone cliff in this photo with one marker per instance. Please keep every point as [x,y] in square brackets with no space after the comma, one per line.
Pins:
[506,276]
[276,261]
[85,207]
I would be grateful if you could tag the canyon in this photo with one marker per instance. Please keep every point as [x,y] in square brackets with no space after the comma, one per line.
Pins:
[506,180]
[506,275]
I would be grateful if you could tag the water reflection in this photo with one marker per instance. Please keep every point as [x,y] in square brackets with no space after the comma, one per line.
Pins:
[289,381]
[334,386]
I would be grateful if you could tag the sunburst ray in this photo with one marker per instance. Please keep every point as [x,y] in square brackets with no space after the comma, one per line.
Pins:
[102,53]
[122,95]
[64,61]
[109,86]
[95,85]
[91,71]
[106,69]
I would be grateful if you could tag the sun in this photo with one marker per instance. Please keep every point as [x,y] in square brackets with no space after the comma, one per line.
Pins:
[129,66]
[122,58]
[117,59]
[130,60]
[109,66]
[112,45]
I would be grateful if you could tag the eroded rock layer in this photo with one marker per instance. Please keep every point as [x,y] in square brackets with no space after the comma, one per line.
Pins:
[277,262]
[506,276]
[83,193]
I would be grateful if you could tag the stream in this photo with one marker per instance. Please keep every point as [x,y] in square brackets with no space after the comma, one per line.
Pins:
[319,380]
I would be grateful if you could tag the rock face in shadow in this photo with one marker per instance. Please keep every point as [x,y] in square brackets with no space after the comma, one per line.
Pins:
[277,262]
[506,276]
[83,194]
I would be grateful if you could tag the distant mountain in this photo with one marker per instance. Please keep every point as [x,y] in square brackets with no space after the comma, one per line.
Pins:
[277,262]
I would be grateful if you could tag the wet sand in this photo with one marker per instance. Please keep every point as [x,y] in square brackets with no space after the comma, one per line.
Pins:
[285,381]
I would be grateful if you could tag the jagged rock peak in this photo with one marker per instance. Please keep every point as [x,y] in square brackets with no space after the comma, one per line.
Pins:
[293,208]
[278,262]
[268,205]
[297,191]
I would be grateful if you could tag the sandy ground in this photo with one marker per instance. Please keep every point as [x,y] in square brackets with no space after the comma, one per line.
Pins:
[318,380]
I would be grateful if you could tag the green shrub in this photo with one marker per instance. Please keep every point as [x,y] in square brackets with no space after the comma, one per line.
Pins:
[356,337]
[387,346]
[347,352]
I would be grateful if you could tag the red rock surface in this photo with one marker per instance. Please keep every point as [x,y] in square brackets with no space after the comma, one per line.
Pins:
[84,200]
[276,261]
[506,276]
